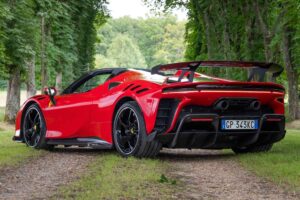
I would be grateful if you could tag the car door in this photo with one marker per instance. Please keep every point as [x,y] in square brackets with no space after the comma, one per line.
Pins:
[73,108]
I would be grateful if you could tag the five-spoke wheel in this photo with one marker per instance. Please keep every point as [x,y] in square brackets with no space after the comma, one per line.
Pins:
[129,133]
[127,130]
[34,129]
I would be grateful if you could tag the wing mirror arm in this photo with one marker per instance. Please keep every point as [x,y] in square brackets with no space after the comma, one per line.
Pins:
[51,92]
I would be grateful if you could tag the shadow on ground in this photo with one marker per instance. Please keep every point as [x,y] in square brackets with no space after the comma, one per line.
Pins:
[165,154]
[194,155]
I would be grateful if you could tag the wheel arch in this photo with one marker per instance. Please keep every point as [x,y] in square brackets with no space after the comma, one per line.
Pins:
[121,101]
[26,106]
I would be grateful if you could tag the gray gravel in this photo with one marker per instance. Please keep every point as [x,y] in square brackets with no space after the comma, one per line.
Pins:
[40,178]
[214,175]
[205,175]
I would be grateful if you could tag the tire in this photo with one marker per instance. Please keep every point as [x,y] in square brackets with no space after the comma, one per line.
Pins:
[34,128]
[129,133]
[253,149]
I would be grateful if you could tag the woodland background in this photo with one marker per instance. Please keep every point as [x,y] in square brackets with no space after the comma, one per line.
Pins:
[52,42]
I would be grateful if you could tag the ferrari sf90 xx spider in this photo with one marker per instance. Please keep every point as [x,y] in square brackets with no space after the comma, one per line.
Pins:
[139,112]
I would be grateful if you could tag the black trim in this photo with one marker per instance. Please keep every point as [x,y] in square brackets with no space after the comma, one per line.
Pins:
[113,71]
[142,90]
[240,87]
[165,114]
[82,142]
[245,87]
[268,132]
[135,87]
[259,68]
[113,84]
[128,86]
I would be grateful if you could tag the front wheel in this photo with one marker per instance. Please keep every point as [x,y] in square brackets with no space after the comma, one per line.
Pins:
[129,133]
[34,128]
[253,149]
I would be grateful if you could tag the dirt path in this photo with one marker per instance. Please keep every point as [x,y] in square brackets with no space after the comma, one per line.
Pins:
[206,175]
[41,177]
[214,175]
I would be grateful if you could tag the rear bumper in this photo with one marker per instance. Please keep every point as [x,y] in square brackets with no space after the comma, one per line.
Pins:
[204,131]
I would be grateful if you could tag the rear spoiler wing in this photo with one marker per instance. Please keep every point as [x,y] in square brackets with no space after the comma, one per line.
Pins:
[258,68]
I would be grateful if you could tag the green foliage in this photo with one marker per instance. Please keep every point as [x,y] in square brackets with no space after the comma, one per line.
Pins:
[159,39]
[125,53]
[171,49]
[230,30]
[19,33]
[258,30]
[70,34]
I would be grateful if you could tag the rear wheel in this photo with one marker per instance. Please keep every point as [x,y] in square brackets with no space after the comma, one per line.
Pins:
[253,149]
[129,133]
[34,128]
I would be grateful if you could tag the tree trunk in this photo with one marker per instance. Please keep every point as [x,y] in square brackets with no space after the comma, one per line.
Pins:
[292,75]
[265,31]
[58,82]
[208,35]
[30,82]
[44,74]
[13,95]
[226,37]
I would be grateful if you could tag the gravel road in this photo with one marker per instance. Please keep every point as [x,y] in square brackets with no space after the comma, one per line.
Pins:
[214,175]
[205,174]
[41,177]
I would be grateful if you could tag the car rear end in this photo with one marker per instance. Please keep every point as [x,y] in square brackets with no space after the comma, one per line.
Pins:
[216,115]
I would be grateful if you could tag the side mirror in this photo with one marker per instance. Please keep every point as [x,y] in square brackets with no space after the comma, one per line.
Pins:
[51,92]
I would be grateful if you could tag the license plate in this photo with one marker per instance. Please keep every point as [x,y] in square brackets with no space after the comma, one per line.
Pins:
[239,124]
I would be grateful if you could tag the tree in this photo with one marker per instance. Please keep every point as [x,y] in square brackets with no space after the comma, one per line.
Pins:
[125,53]
[290,52]
[259,30]
[89,15]
[18,49]
[172,47]
[48,37]
[151,35]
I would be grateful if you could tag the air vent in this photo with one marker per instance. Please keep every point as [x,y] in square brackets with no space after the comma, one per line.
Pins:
[135,87]
[128,87]
[142,90]
[166,110]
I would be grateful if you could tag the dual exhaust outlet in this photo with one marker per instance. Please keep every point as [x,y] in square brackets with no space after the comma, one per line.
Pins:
[225,104]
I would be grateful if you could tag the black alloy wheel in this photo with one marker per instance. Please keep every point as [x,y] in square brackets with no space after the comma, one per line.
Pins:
[129,133]
[34,129]
[127,130]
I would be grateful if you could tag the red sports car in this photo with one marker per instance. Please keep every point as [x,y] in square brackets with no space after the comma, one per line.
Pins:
[173,106]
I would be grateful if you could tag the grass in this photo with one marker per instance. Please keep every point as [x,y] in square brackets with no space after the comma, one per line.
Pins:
[12,153]
[113,177]
[281,165]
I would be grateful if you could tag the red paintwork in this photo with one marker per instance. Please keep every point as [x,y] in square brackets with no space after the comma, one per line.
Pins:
[90,114]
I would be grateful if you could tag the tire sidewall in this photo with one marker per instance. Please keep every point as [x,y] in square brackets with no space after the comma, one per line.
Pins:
[42,141]
[142,131]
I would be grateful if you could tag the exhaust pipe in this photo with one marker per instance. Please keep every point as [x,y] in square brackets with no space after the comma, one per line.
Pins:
[255,105]
[222,105]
